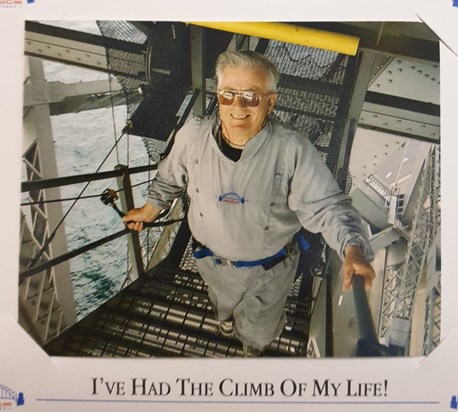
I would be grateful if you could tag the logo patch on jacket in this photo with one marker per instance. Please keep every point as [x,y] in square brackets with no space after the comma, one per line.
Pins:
[231,198]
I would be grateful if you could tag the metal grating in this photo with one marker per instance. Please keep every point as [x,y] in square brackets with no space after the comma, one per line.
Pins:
[167,313]
[126,62]
[314,93]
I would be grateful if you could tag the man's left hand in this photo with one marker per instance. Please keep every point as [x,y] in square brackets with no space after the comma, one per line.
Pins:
[355,263]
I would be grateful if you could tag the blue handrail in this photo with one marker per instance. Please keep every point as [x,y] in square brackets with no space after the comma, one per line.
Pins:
[367,345]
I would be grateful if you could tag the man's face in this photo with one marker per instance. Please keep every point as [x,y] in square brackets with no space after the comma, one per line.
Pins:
[240,121]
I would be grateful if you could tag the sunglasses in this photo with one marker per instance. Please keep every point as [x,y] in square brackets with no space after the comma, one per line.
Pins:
[248,98]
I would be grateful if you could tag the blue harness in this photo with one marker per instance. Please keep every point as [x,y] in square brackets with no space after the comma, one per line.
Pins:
[202,251]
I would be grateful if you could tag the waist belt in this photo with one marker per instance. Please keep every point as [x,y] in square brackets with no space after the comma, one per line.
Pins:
[202,251]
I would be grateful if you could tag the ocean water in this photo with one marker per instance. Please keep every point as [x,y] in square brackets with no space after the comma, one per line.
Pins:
[82,140]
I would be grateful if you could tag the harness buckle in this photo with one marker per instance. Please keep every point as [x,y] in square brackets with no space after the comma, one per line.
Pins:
[223,261]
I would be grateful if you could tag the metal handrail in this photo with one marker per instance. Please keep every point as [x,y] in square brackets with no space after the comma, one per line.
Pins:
[329,318]
[367,344]
[89,177]
[363,313]
[47,183]
[67,256]
[378,187]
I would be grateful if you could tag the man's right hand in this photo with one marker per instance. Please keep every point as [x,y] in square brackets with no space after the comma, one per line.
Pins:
[135,218]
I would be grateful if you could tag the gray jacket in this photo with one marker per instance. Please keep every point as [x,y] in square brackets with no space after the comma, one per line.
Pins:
[250,209]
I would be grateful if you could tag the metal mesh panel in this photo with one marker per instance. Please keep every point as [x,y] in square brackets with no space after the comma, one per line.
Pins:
[301,61]
[314,93]
[126,62]
[122,30]
[134,67]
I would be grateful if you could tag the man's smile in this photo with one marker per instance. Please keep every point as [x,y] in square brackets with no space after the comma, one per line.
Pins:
[240,116]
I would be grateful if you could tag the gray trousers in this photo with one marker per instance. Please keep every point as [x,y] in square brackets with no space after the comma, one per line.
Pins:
[254,297]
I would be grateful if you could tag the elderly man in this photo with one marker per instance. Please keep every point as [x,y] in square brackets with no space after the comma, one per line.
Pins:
[253,183]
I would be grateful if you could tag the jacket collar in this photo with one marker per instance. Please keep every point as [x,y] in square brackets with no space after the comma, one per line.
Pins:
[253,145]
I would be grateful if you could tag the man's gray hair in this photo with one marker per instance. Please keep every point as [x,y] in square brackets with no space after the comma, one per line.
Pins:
[248,59]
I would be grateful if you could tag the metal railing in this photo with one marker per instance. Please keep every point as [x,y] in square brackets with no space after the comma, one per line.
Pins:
[368,344]
[378,187]
[69,180]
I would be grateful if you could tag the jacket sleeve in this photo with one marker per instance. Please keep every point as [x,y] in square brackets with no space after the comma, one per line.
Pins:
[172,173]
[319,203]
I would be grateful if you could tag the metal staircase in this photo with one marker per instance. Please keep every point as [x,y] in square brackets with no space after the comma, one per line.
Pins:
[166,312]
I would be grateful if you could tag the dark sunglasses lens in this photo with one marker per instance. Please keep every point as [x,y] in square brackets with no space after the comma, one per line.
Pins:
[226,98]
[248,99]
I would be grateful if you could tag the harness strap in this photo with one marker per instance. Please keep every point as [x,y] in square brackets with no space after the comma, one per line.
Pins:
[301,241]
[200,251]
[203,251]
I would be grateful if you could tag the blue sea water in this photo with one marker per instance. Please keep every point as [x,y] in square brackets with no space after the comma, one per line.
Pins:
[82,141]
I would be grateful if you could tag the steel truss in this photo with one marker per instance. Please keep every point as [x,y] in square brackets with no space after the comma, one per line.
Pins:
[402,283]
[433,320]
[38,295]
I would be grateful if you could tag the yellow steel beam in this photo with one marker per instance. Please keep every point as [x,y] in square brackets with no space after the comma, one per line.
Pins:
[290,33]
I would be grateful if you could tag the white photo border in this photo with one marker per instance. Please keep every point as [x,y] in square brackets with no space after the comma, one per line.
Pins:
[75,384]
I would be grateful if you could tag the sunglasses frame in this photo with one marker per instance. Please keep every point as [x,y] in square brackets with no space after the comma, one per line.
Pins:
[239,94]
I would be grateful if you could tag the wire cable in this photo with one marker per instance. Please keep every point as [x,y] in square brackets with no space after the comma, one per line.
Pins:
[302,60]
[110,79]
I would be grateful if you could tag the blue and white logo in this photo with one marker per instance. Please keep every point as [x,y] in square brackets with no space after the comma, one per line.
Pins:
[231,198]
[10,399]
